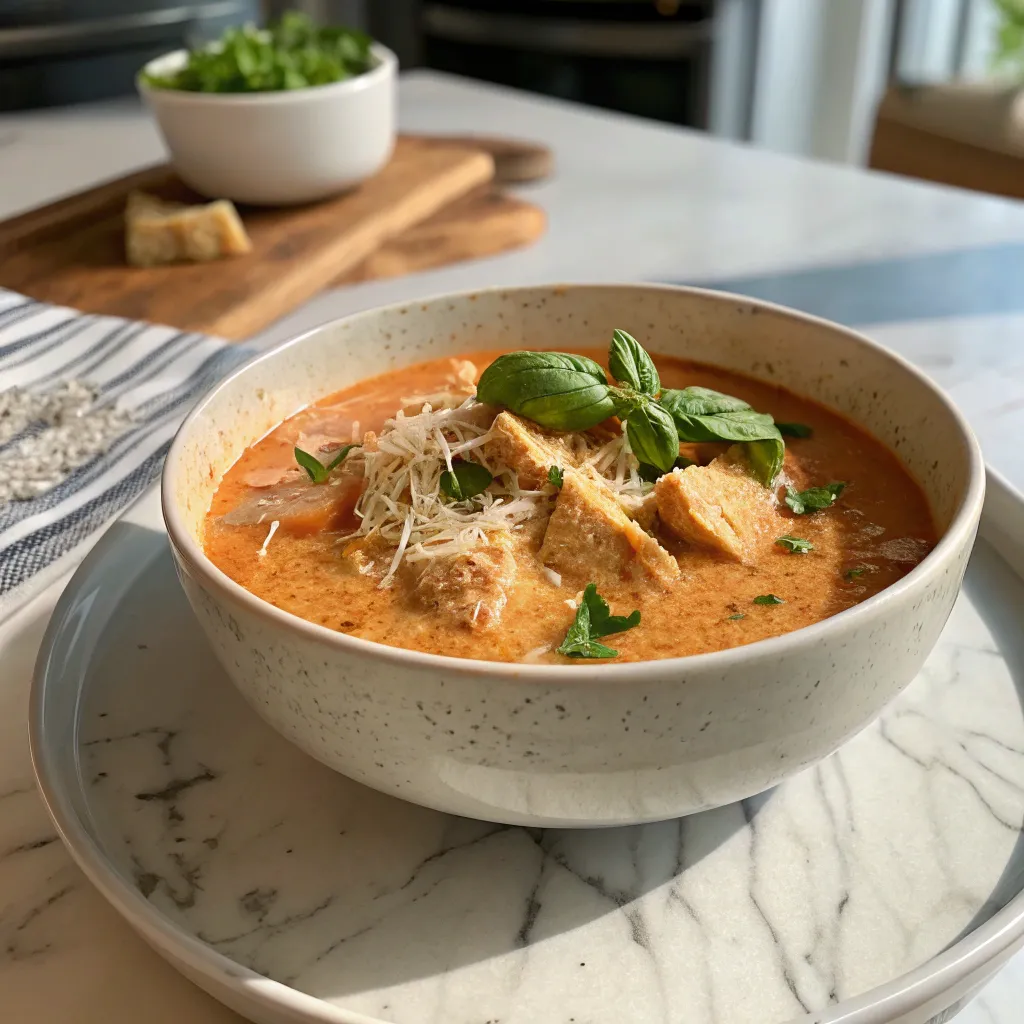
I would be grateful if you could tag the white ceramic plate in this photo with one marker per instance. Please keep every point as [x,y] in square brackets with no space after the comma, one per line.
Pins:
[882,886]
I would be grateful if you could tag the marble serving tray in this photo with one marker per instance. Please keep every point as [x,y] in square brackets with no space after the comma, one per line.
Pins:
[882,886]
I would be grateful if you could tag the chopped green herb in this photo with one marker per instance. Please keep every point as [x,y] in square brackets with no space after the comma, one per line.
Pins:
[594,620]
[795,545]
[738,615]
[851,574]
[768,599]
[794,429]
[652,474]
[294,53]
[555,476]
[814,499]
[317,471]
[464,480]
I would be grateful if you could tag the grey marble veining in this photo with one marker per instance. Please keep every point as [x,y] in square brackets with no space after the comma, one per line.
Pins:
[836,882]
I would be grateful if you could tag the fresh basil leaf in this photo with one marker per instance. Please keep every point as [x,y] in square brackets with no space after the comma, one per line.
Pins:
[766,458]
[736,617]
[701,414]
[630,364]
[768,599]
[695,401]
[317,471]
[594,620]
[555,476]
[465,480]
[851,574]
[652,474]
[794,429]
[814,499]
[340,457]
[653,436]
[795,545]
[555,389]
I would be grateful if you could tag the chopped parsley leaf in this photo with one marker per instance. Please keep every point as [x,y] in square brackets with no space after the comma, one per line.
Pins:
[768,599]
[794,545]
[594,620]
[814,499]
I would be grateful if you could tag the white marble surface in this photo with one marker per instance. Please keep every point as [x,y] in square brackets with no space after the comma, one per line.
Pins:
[631,200]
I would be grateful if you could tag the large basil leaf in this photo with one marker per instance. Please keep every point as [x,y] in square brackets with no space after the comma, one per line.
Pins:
[701,414]
[630,364]
[765,458]
[653,436]
[555,389]
[700,402]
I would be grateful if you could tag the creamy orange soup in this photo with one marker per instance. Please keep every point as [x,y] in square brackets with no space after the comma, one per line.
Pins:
[510,595]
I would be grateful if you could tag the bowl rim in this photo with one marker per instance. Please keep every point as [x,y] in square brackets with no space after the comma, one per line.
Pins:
[385,69]
[963,524]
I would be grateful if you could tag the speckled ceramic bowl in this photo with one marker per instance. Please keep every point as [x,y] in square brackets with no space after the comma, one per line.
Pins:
[561,746]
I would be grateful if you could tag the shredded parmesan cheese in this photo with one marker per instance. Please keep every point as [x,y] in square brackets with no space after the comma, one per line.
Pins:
[402,503]
[273,529]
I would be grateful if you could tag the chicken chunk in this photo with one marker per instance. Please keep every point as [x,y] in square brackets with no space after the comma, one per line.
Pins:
[589,534]
[301,508]
[719,507]
[472,588]
[528,450]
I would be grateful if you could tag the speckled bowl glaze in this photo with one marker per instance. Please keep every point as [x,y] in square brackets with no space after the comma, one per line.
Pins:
[570,746]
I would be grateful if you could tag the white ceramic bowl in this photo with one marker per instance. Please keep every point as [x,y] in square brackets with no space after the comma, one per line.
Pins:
[278,148]
[570,746]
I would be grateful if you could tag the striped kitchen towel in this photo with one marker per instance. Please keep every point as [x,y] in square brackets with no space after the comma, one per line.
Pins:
[88,407]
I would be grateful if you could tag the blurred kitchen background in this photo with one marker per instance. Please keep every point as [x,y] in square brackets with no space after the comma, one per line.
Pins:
[798,76]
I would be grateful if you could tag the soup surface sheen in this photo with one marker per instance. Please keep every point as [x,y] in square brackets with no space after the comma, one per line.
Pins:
[878,529]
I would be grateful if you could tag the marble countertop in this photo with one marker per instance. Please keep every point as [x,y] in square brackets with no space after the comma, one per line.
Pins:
[930,272]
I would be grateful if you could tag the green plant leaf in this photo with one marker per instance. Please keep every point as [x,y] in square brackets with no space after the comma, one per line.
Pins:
[795,545]
[594,620]
[555,476]
[652,436]
[701,414]
[465,480]
[630,364]
[555,389]
[768,599]
[316,470]
[794,429]
[814,499]
[766,458]
[339,458]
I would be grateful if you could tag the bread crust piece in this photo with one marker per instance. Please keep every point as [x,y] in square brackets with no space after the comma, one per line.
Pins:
[590,536]
[528,450]
[158,232]
[719,507]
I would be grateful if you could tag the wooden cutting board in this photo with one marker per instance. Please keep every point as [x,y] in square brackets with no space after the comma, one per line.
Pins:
[72,252]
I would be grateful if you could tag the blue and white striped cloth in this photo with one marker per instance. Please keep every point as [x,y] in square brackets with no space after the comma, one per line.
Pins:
[154,374]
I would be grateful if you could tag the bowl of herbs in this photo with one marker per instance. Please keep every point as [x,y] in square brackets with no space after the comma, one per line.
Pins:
[286,114]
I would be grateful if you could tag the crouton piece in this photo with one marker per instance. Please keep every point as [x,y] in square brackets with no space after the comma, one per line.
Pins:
[472,588]
[528,450]
[589,534]
[719,507]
